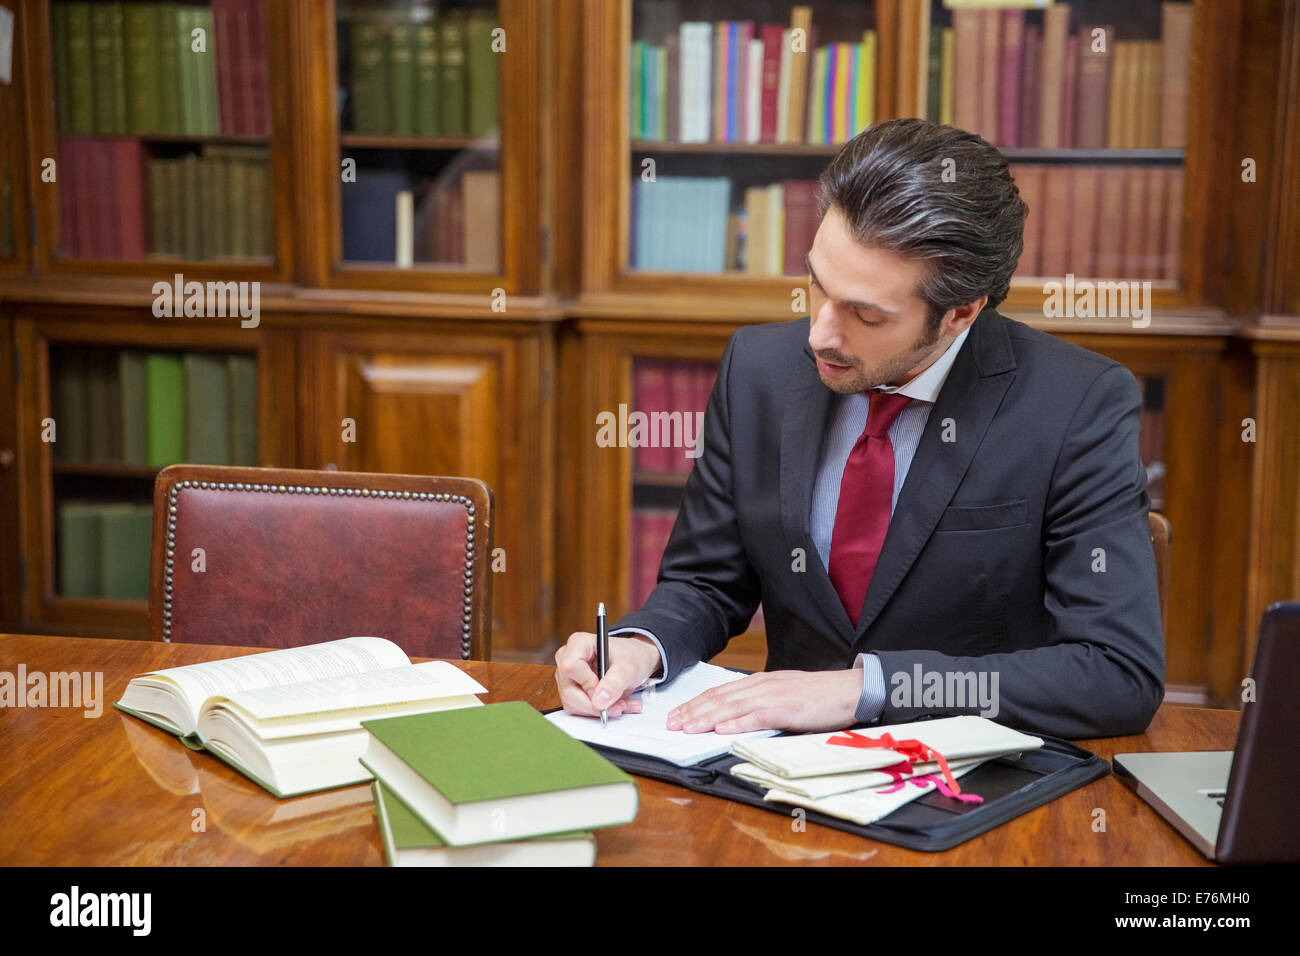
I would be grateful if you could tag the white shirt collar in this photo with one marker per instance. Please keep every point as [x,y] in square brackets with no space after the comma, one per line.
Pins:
[925,387]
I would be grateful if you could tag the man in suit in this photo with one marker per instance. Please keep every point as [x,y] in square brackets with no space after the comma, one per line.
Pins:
[927,497]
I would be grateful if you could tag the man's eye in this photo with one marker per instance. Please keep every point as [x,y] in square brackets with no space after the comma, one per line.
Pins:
[866,321]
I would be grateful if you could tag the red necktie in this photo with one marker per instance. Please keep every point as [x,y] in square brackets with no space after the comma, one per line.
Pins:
[862,515]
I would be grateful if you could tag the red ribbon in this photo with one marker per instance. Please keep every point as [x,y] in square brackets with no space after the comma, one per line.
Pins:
[914,752]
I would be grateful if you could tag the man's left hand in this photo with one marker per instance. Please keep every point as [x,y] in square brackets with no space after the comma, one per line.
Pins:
[806,701]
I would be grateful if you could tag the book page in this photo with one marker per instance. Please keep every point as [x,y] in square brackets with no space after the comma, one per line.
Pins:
[647,732]
[351,655]
[412,682]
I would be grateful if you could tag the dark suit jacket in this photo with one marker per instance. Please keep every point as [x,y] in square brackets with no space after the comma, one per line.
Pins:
[1020,546]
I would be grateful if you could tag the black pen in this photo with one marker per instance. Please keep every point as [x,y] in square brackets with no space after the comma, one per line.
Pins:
[602,652]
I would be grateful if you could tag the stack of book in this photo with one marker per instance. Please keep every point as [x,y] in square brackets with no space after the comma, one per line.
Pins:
[426,75]
[859,775]
[154,408]
[495,785]
[141,68]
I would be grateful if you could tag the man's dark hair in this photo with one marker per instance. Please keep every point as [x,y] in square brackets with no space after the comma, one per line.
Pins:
[889,184]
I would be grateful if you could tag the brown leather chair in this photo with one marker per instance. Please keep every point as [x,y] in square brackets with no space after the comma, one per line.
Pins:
[1162,534]
[297,557]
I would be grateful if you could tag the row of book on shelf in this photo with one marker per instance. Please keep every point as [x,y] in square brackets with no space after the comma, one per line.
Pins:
[103,549]
[1089,220]
[435,75]
[161,68]
[118,204]
[454,781]
[1029,85]
[391,215]
[1122,221]
[151,409]
[1016,83]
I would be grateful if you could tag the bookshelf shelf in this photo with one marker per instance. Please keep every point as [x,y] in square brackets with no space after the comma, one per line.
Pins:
[397,141]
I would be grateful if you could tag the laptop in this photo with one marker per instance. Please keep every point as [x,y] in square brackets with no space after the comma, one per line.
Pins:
[1237,806]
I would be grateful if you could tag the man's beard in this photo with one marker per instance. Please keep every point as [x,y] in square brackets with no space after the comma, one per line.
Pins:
[883,374]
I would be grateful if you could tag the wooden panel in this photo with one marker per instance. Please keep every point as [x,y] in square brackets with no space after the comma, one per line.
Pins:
[449,404]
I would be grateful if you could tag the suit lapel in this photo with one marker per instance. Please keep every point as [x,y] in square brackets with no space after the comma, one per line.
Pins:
[970,397]
[803,428]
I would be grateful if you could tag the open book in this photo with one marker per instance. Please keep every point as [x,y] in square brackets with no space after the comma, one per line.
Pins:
[290,720]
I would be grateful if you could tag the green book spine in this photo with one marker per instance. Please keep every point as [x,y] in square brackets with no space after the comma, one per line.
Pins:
[219,224]
[237,207]
[208,207]
[162,241]
[107,66]
[370,96]
[78,557]
[207,409]
[62,67]
[165,378]
[401,76]
[191,202]
[426,78]
[124,551]
[191,97]
[133,387]
[141,45]
[104,405]
[207,70]
[81,84]
[174,205]
[168,68]
[451,86]
[259,208]
[242,375]
[482,74]
[71,427]
[934,75]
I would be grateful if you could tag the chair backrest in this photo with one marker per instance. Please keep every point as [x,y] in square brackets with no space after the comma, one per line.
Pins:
[1162,534]
[272,557]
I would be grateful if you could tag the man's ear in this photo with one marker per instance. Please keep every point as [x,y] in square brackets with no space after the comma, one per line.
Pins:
[958,320]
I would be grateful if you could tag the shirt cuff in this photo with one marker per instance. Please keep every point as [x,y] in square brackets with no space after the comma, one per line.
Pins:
[663,658]
[872,702]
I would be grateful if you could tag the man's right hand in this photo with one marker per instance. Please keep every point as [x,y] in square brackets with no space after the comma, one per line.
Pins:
[632,660]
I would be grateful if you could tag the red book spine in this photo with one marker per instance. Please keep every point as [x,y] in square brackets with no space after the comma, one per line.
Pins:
[225,48]
[456,232]
[1029,82]
[84,151]
[129,177]
[68,198]
[771,36]
[800,223]
[105,220]
[679,400]
[1029,180]
[1068,85]
[1013,48]
[257,78]
[636,560]
[651,395]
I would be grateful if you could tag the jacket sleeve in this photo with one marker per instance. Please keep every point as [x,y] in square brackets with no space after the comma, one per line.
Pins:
[707,590]
[1100,669]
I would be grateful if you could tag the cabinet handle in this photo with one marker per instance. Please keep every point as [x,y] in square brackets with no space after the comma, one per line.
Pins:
[6,458]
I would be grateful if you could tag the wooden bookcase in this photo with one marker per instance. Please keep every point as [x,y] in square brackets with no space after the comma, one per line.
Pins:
[499,372]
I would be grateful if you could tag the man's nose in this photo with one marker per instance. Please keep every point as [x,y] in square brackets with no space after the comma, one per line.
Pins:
[825,334]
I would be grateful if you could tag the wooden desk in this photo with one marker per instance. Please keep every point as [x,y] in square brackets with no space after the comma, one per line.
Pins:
[115,791]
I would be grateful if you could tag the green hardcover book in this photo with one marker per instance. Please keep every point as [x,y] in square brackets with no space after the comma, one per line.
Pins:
[133,388]
[124,532]
[62,67]
[205,207]
[498,772]
[426,77]
[78,557]
[409,841]
[481,64]
[104,406]
[219,224]
[259,208]
[190,201]
[81,83]
[370,96]
[71,423]
[189,68]
[108,67]
[140,42]
[168,68]
[241,243]
[451,83]
[201,17]
[175,204]
[165,381]
[241,373]
[207,409]
[401,75]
